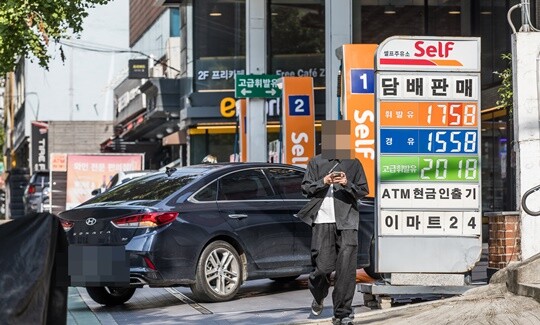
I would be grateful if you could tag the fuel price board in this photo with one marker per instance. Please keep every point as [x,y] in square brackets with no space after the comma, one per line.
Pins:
[428,153]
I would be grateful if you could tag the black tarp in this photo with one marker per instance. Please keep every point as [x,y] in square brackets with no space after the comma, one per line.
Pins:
[33,271]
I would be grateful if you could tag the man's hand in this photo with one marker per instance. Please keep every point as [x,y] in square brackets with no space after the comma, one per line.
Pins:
[335,178]
[328,179]
[341,179]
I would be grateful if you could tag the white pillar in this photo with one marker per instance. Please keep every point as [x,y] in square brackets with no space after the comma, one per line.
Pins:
[526,69]
[338,22]
[256,64]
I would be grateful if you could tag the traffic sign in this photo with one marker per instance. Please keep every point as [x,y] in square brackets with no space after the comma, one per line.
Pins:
[257,86]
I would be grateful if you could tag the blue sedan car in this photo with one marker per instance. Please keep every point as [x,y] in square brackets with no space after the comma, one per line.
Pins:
[209,227]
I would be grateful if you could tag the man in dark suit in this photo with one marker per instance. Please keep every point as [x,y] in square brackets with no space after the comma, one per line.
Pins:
[334,181]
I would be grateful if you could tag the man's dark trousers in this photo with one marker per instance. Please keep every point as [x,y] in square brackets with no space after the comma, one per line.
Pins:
[333,249]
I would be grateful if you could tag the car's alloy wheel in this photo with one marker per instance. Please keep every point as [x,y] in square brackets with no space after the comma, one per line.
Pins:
[110,296]
[219,273]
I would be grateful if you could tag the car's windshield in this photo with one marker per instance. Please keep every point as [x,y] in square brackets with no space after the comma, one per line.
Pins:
[153,187]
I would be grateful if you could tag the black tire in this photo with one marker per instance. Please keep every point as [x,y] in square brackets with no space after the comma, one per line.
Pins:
[110,296]
[285,278]
[219,273]
[370,270]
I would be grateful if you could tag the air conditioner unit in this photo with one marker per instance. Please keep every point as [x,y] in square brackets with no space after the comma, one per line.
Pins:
[173,56]
[157,71]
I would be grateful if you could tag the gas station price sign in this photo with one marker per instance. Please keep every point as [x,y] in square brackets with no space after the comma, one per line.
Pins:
[428,168]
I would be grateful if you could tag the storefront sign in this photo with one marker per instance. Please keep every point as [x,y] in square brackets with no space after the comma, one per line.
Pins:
[228,107]
[40,146]
[138,69]
[429,54]
[298,120]
[86,172]
[218,73]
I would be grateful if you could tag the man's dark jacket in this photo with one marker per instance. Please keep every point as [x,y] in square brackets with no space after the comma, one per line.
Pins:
[345,197]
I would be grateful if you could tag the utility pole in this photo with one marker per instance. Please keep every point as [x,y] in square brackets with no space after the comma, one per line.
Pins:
[256,54]
[338,22]
[526,75]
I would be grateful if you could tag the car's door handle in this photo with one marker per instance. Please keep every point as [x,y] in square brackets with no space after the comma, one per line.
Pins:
[237,216]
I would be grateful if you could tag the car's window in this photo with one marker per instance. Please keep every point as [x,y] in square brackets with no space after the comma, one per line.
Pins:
[39,179]
[153,187]
[208,193]
[245,185]
[287,182]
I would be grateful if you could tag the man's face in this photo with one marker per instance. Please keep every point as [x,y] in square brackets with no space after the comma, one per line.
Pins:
[336,140]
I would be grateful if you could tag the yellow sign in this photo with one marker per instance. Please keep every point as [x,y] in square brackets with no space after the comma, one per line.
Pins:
[227,107]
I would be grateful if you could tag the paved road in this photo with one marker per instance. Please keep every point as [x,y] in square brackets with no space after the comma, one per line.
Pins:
[258,302]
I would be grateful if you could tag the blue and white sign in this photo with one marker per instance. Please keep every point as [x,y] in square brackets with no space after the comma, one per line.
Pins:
[362,81]
[443,141]
[299,105]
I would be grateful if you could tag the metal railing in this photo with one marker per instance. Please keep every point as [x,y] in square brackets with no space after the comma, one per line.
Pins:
[524,201]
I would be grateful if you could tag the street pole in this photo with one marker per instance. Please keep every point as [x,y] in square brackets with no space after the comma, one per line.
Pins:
[338,22]
[526,75]
[256,64]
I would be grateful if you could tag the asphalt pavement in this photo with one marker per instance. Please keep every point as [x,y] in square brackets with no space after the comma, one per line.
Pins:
[487,304]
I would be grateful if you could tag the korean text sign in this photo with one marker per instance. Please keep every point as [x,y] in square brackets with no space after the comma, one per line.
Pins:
[428,138]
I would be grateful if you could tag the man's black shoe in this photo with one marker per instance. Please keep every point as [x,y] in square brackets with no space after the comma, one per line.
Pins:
[316,308]
[342,321]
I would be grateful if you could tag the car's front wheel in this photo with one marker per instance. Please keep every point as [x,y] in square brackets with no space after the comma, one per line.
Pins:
[219,273]
[110,296]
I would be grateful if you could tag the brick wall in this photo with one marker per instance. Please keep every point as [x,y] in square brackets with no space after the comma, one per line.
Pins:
[78,136]
[504,239]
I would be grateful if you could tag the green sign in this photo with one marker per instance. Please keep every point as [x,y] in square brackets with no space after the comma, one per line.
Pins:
[430,168]
[257,86]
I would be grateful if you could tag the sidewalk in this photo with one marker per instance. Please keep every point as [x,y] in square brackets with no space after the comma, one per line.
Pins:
[512,297]
[491,304]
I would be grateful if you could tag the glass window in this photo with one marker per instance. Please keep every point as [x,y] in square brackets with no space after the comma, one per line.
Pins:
[219,43]
[378,22]
[498,166]
[175,22]
[297,39]
[245,185]
[138,190]
[287,182]
[488,15]
[209,193]
[444,17]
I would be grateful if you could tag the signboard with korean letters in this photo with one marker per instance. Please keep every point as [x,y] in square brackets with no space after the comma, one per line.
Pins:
[428,154]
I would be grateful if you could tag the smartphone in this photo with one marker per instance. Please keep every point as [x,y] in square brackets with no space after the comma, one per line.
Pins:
[337,174]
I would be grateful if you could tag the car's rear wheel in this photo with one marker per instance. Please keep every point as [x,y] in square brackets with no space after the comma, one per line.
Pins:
[110,296]
[219,273]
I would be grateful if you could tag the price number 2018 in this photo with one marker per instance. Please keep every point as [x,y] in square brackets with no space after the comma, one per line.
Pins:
[449,169]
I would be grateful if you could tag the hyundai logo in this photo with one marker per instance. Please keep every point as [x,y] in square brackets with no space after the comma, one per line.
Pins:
[91,221]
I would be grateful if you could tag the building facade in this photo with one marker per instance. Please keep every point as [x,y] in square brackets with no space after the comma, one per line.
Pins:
[213,49]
